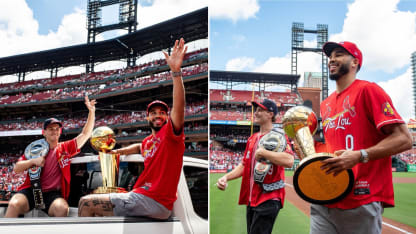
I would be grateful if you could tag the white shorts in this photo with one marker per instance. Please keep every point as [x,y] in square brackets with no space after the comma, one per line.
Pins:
[136,204]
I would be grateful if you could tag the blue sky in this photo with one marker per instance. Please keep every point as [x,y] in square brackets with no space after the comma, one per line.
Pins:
[258,38]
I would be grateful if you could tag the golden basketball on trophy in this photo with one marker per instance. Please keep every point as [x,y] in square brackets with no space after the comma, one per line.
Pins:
[103,140]
[312,183]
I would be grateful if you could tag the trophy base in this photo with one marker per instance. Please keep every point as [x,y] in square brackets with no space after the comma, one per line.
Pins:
[313,185]
[101,190]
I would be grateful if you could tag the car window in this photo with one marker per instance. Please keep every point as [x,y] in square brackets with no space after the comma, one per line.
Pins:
[197,180]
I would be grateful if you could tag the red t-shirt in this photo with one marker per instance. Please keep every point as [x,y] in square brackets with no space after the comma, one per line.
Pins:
[64,152]
[50,176]
[252,193]
[163,158]
[353,120]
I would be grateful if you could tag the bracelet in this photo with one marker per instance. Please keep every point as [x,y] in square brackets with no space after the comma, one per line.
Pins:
[176,74]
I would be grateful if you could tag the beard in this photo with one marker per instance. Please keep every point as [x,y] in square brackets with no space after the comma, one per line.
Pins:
[343,69]
[156,128]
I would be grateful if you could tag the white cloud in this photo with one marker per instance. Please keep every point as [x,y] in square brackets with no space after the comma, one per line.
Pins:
[162,10]
[400,91]
[240,64]
[385,35]
[233,9]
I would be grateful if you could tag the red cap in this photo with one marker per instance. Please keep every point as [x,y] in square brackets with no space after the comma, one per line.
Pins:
[159,103]
[348,46]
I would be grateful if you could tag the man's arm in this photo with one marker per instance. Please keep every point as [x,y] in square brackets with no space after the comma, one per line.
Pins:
[237,172]
[131,149]
[87,130]
[277,158]
[398,140]
[23,165]
[175,62]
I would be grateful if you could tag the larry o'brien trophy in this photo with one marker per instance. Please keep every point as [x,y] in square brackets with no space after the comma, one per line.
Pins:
[312,183]
[38,148]
[273,141]
[103,140]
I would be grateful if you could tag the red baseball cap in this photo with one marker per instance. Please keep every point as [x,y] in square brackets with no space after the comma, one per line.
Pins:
[348,46]
[158,103]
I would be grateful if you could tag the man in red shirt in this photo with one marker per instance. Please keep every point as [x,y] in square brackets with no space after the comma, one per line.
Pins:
[263,204]
[363,129]
[55,175]
[154,193]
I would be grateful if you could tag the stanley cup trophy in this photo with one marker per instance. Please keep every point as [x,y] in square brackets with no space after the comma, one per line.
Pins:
[311,182]
[103,140]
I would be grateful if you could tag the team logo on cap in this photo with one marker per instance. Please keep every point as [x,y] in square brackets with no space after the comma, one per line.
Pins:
[387,109]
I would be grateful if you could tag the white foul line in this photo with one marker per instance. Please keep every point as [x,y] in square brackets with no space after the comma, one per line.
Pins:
[398,229]
[384,223]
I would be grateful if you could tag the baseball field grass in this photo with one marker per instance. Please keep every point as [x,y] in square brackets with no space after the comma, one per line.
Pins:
[405,202]
[227,217]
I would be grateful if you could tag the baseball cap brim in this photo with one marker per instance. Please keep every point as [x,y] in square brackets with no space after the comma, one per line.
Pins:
[330,46]
[256,104]
[157,103]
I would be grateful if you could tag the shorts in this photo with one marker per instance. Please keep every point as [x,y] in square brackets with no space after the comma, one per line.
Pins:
[136,204]
[48,198]
[366,219]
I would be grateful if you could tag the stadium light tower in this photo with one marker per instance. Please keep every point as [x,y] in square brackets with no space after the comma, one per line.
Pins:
[414,80]
[298,32]
[127,19]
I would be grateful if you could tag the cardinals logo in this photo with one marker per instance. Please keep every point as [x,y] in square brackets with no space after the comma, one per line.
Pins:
[387,109]
[151,147]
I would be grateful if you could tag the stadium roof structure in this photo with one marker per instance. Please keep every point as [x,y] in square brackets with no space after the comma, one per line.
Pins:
[191,26]
[254,77]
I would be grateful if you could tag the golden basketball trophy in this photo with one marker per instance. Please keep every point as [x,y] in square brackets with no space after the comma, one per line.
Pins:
[103,140]
[312,183]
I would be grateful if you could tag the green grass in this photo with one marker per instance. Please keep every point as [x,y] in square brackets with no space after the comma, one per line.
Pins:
[226,216]
[405,204]
[404,174]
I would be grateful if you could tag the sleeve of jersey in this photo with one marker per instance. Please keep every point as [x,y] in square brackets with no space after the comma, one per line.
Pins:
[71,147]
[22,158]
[171,134]
[380,106]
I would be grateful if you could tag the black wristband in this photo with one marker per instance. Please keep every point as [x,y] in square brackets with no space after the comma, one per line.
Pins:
[176,74]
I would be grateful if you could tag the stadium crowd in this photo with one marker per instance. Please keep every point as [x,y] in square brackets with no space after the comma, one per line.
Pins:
[77,122]
[96,89]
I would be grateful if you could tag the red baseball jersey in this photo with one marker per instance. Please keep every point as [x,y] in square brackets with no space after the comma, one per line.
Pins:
[352,120]
[163,158]
[252,193]
[64,151]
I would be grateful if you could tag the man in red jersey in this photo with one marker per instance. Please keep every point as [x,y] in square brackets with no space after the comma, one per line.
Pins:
[154,193]
[263,200]
[55,175]
[363,129]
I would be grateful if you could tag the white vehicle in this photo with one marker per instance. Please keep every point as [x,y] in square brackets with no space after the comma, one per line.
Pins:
[190,211]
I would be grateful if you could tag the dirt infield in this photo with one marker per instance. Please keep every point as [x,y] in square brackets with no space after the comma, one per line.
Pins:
[387,223]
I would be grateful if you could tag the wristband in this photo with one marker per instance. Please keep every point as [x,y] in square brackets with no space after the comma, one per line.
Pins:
[176,74]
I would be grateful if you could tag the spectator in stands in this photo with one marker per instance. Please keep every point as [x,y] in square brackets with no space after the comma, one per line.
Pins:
[263,204]
[154,193]
[55,176]
[363,129]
